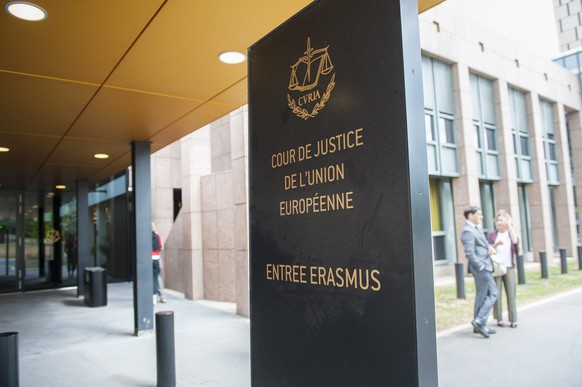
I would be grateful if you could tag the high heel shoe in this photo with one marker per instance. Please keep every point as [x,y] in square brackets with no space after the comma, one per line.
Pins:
[500,324]
[513,325]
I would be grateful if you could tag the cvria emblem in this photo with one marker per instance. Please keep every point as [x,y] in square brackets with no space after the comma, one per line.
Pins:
[310,84]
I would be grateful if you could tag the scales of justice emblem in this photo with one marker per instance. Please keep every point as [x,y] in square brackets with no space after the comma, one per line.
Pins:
[306,75]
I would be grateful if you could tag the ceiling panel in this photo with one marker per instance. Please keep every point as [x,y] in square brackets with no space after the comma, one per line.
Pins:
[81,152]
[98,74]
[235,95]
[25,149]
[178,53]
[118,115]
[36,105]
[79,40]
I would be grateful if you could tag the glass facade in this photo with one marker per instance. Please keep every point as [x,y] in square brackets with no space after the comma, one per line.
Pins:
[442,214]
[524,218]
[487,192]
[110,208]
[550,143]
[484,124]
[439,116]
[520,135]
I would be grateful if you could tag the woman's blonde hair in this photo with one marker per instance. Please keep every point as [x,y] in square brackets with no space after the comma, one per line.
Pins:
[505,214]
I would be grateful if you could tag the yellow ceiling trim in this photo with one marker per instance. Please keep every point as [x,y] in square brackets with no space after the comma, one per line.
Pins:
[425,5]
[112,87]
[49,78]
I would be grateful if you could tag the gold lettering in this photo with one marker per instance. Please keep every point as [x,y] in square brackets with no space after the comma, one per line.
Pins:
[290,181]
[339,274]
[321,275]
[288,273]
[302,274]
[339,277]
[304,152]
[337,143]
[377,285]
[330,278]
[308,98]
[317,203]
[367,280]
[351,279]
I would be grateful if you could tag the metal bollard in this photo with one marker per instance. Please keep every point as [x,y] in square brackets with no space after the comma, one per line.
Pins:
[544,264]
[165,351]
[9,359]
[520,270]
[460,279]
[563,261]
[579,257]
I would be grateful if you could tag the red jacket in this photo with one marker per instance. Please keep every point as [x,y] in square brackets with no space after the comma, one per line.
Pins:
[157,252]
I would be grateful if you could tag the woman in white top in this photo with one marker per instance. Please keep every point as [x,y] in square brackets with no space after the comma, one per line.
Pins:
[504,240]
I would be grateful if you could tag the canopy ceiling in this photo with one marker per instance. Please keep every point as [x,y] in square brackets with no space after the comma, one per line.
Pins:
[98,74]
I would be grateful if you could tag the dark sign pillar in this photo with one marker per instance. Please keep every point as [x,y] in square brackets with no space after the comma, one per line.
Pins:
[340,239]
[143,289]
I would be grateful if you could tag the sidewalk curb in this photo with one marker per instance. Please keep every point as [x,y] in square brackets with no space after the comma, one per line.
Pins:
[527,306]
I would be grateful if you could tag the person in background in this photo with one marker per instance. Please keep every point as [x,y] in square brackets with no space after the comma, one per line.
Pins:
[156,258]
[505,242]
[71,253]
[477,251]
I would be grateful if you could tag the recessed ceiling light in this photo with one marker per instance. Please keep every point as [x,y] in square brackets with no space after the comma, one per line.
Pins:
[101,156]
[26,11]
[4,149]
[60,186]
[231,57]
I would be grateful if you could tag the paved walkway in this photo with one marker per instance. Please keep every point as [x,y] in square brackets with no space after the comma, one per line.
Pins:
[544,350]
[64,343]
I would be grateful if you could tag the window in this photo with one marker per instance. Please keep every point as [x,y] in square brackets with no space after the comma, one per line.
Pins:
[554,215]
[447,130]
[524,218]
[520,133]
[550,146]
[485,128]
[439,118]
[177,202]
[487,205]
[442,220]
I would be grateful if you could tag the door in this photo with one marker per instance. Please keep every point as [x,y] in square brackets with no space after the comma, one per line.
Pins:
[10,260]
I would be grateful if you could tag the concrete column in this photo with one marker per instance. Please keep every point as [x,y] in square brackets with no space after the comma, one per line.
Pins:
[196,162]
[506,194]
[564,193]
[574,121]
[239,154]
[466,186]
[165,174]
[143,287]
[538,192]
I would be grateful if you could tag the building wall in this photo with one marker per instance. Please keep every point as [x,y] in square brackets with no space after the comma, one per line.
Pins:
[471,49]
[569,23]
[206,252]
